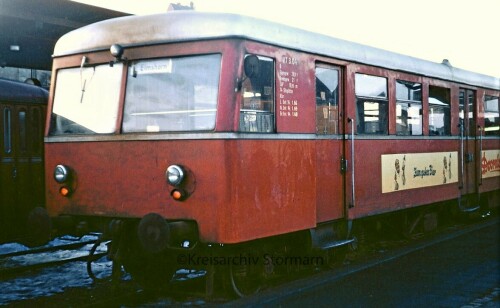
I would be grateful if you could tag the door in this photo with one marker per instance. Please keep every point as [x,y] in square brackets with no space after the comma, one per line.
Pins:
[469,156]
[8,171]
[21,165]
[330,144]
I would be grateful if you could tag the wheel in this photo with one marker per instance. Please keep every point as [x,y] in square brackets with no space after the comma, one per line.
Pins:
[152,270]
[39,226]
[246,279]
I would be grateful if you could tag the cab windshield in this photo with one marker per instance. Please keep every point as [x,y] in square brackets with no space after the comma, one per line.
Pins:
[86,100]
[161,95]
[172,94]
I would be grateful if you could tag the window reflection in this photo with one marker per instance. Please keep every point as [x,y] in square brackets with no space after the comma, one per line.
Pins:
[327,100]
[371,104]
[408,108]
[22,131]
[86,100]
[172,94]
[257,111]
[439,111]
[491,115]
[7,134]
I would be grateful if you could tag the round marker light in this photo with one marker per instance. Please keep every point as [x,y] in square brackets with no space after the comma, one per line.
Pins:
[61,173]
[177,194]
[64,191]
[174,175]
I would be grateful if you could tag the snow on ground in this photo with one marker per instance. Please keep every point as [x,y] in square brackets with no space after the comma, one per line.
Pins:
[51,280]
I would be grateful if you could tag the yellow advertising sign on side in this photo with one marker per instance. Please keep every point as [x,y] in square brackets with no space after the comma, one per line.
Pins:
[416,170]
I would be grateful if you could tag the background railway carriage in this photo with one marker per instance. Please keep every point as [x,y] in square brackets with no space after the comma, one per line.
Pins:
[191,131]
[22,121]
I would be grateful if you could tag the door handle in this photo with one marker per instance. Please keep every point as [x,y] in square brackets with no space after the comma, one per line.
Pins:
[14,172]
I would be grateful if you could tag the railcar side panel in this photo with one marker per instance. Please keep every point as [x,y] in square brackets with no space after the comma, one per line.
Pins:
[371,199]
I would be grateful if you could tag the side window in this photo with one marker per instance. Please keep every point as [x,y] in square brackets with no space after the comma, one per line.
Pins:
[439,111]
[491,116]
[408,108]
[36,129]
[7,131]
[22,131]
[257,110]
[371,104]
[327,100]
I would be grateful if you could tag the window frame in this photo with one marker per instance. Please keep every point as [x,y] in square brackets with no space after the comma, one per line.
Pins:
[448,104]
[130,127]
[408,103]
[7,130]
[327,119]
[253,118]
[367,98]
[496,124]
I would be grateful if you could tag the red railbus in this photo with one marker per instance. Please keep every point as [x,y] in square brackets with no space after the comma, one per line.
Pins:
[210,133]
[22,122]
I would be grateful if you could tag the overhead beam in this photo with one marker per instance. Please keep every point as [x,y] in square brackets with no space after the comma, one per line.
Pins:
[41,18]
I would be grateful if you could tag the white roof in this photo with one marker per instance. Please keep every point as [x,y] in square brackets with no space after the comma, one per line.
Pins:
[191,25]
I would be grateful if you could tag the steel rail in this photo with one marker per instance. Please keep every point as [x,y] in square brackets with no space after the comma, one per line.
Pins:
[46,249]
[8,272]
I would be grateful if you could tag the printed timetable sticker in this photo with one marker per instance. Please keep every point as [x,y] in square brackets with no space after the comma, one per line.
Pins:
[416,170]
[288,79]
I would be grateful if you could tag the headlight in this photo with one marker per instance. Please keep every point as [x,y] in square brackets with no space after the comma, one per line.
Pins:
[61,173]
[174,175]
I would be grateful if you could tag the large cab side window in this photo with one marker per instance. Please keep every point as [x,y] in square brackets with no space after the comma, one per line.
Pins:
[257,88]
[371,104]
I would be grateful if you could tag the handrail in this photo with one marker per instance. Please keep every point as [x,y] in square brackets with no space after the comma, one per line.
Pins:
[480,154]
[461,126]
[353,193]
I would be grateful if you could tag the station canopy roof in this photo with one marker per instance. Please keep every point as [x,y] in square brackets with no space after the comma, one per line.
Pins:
[29,29]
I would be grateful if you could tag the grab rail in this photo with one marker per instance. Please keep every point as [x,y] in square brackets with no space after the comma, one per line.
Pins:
[353,193]
[462,157]
[480,154]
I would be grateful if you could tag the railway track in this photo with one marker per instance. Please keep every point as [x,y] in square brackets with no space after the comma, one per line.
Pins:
[16,263]
[192,290]
[388,253]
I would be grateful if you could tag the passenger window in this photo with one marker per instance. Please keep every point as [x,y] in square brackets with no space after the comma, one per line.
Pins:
[36,129]
[371,104]
[408,108]
[257,110]
[327,100]
[491,116]
[7,133]
[22,131]
[439,111]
